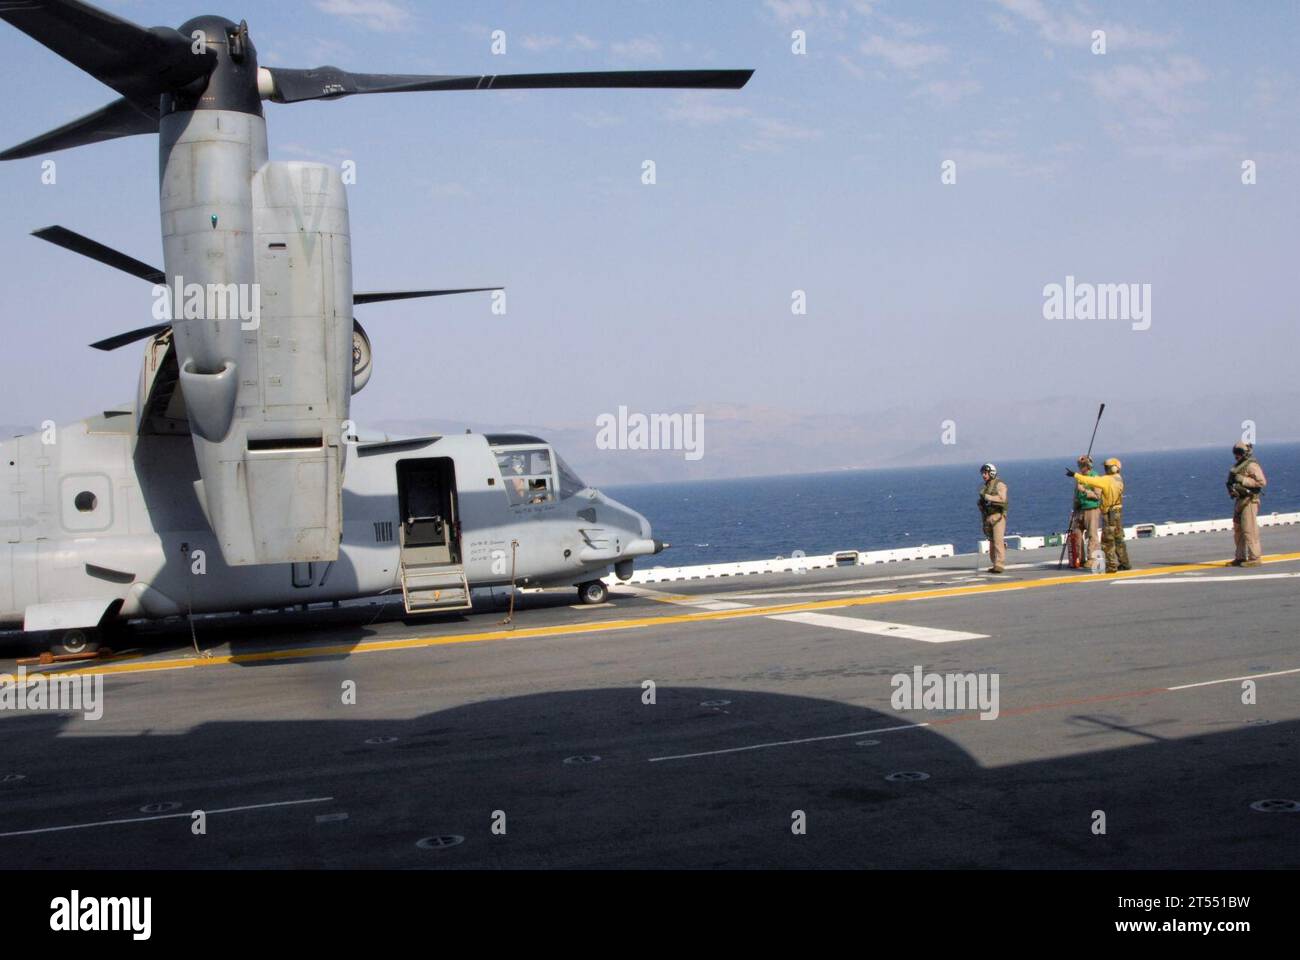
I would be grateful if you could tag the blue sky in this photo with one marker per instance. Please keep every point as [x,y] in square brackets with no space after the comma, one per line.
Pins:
[823,175]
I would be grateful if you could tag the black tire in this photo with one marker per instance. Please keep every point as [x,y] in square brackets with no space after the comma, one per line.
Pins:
[78,640]
[593,592]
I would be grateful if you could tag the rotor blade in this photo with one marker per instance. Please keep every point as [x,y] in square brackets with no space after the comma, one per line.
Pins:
[139,64]
[121,118]
[131,336]
[330,83]
[361,298]
[65,238]
[122,339]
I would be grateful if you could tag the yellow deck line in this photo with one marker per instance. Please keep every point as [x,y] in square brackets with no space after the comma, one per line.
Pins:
[600,626]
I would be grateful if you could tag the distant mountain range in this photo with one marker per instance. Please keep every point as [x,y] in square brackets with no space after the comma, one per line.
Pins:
[742,440]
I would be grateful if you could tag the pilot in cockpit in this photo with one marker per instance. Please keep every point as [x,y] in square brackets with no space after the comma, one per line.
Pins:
[517,481]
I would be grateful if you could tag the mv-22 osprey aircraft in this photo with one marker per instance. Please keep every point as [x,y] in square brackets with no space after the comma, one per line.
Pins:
[235,480]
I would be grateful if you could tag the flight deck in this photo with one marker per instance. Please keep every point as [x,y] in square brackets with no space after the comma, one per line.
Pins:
[740,723]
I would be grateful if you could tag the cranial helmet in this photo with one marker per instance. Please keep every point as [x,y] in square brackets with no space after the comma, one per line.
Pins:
[1113,465]
[1243,448]
[992,470]
[1085,460]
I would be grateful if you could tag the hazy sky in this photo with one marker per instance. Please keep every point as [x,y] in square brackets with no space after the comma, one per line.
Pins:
[823,175]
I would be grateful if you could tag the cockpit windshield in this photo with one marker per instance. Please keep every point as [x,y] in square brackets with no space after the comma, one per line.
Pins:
[527,475]
[533,473]
[570,483]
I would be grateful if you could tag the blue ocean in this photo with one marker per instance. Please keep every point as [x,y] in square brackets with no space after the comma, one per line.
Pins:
[754,518]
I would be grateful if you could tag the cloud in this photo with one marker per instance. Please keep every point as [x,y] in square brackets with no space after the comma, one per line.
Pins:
[902,28]
[1164,89]
[382,16]
[904,54]
[853,68]
[540,43]
[829,22]
[775,129]
[449,191]
[537,44]
[1003,23]
[600,119]
[838,28]
[1271,97]
[771,133]
[1267,90]
[758,133]
[1064,29]
[1012,161]
[320,50]
[945,93]
[702,109]
[1225,147]
[1147,110]
[972,159]
[792,11]
[638,48]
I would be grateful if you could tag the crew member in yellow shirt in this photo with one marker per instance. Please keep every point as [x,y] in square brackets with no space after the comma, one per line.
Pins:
[1111,486]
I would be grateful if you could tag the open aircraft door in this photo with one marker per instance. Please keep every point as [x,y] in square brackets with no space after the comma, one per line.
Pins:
[432,568]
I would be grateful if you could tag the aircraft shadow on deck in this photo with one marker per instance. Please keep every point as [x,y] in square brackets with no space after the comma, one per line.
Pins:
[1168,803]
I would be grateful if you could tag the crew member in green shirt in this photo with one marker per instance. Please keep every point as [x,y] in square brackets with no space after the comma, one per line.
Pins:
[1087,513]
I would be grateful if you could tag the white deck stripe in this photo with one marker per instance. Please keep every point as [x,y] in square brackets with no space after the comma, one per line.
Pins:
[810,593]
[1192,578]
[706,601]
[879,628]
[164,816]
[1252,676]
[689,600]
[786,743]
[911,726]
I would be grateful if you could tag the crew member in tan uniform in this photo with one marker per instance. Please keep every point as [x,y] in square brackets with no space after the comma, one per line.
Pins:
[1112,511]
[1246,482]
[993,508]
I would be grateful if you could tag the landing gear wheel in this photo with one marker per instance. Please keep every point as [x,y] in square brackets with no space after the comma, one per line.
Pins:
[592,592]
[74,641]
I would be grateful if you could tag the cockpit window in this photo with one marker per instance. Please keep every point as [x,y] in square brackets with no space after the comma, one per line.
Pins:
[570,483]
[527,475]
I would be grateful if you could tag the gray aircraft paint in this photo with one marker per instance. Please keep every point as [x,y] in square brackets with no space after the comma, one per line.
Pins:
[231,217]
[234,449]
[65,567]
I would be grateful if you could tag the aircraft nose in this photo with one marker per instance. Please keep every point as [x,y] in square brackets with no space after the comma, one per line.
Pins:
[659,545]
[641,541]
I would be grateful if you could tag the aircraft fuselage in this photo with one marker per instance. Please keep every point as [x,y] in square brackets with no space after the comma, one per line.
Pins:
[103,524]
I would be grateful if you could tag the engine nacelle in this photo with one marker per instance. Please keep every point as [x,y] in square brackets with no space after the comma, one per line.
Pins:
[362,356]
